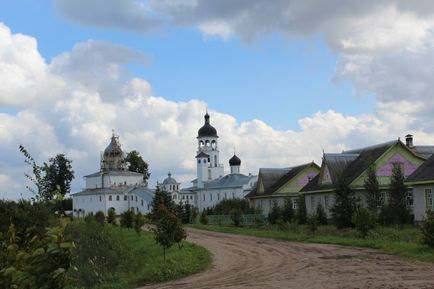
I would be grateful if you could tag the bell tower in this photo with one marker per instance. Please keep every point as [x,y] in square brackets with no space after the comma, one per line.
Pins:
[207,140]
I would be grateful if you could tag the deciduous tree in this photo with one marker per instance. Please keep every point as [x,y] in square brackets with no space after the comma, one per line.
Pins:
[137,164]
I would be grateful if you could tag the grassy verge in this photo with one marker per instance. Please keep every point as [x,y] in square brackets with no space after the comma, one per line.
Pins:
[402,242]
[110,257]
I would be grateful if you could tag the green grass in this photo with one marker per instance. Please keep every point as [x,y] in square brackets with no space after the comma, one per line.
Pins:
[110,257]
[403,242]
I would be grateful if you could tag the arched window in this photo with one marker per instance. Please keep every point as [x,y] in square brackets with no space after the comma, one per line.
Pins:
[214,144]
[207,143]
[198,161]
[110,198]
[117,198]
[201,144]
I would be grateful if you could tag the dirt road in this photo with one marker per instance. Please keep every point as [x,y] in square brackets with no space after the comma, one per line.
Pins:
[250,262]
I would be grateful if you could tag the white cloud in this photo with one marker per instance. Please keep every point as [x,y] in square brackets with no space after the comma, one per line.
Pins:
[78,121]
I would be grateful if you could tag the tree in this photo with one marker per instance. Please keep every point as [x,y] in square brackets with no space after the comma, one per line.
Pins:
[344,205]
[50,178]
[58,175]
[99,217]
[162,198]
[288,211]
[428,229]
[127,219]
[111,216]
[236,217]
[321,215]
[398,197]
[204,217]
[301,209]
[372,188]
[168,229]
[139,222]
[275,213]
[138,165]
[364,220]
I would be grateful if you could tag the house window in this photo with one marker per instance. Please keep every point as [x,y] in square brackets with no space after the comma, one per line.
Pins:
[110,198]
[326,202]
[312,203]
[383,199]
[400,165]
[428,198]
[294,203]
[410,199]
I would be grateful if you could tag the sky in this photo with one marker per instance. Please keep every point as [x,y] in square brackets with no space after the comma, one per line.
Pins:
[283,80]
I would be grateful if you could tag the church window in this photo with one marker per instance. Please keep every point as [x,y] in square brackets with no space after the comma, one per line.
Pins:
[215,161]
[148,206]
[125,183]
[209,174]
[218,196]
[136,199]
[100,198]
[110,198]
[207,143]
[191,197]
[132,198]
[209,160]
[170,187]
[226,195]
[125,198]
[142,203]
[117,198]
[183,197]
[214,144]
[233,195]
[198,161]
[203,197]
[210,197]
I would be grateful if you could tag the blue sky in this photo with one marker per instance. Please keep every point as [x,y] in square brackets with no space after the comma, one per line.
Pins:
[275,79]
[284,80]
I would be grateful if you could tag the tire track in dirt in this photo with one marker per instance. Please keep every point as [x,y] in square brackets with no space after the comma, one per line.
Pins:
[251,262]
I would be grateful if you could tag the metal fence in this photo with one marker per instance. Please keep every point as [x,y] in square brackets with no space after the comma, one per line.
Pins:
[250,219]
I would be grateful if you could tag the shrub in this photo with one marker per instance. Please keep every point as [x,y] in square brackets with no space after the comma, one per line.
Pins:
[99,217]
[288,211]
[321,215]
[127,219]
[227,205]
[236,217]
[139,222]
[111,216]
[301,210]
[364,220]
[204,217]
[428,229]
[312,223]
[275,213]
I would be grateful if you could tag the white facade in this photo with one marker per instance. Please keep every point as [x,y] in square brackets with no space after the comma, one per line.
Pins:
[113,187]
[211,185]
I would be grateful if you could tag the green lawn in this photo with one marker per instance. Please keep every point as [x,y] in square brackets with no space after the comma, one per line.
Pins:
[403,242]
[111,257]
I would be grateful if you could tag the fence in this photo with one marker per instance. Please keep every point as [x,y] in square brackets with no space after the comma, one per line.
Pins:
[250,219]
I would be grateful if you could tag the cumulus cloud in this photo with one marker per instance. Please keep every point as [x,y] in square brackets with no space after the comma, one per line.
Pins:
[79,120]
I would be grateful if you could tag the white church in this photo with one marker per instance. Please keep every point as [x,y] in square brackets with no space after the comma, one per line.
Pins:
[211,185]
[113,187]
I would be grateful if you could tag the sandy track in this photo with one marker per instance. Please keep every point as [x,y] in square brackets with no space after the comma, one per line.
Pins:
[250,262]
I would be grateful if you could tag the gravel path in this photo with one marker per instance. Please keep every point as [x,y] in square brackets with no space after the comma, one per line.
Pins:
[251,262]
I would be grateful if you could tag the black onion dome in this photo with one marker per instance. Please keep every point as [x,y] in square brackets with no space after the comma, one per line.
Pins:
[207,129]
[235,161]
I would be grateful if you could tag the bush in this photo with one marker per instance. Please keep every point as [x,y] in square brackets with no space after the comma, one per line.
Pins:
[312,224]
[428,229]
[364,220]
[321,215]
[386,216]
[139,222]
[111,216]
[275,213]
[227,205]
[236,217]
[100,218]
[127,219]
[204,218]
[288,211]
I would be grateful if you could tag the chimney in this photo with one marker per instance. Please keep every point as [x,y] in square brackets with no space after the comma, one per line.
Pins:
[409,140]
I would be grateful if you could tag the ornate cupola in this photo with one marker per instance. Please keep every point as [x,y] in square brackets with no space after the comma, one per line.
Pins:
[235,163]
[113,158]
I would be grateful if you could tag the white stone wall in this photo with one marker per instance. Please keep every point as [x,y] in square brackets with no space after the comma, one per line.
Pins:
[96,182]
[84,205]
[419,202]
